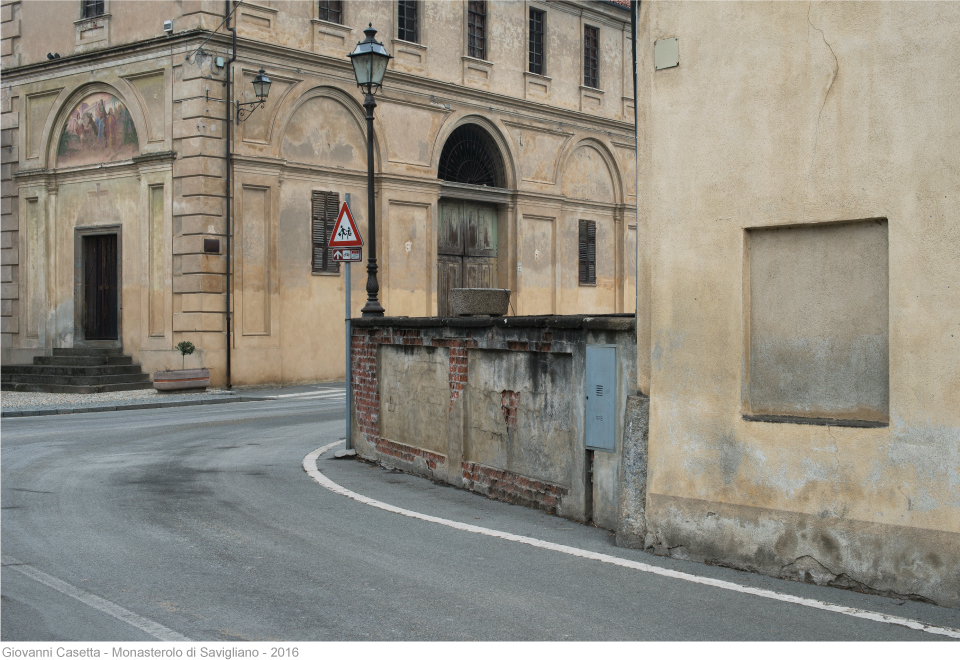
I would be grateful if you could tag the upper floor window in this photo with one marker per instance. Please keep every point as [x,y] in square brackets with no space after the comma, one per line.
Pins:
[477,29]
[92,8]
[591,57]
[331,10]
[407,21]
[536,41]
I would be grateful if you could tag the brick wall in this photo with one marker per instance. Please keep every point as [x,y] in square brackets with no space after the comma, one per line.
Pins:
[511,487]
[498,484]
[366,390]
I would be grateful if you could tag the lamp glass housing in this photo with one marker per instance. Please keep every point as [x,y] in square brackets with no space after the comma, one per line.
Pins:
[261,85]
[369,60]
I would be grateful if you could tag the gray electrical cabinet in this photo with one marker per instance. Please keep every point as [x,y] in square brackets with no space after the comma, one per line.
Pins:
[601,422]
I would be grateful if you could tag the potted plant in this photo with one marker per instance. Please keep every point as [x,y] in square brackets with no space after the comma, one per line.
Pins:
[182,379]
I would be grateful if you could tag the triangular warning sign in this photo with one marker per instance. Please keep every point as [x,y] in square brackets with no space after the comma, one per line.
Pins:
[345,232]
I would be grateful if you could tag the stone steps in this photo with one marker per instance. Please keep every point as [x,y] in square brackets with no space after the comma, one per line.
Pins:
[76,370]
[70,370]
[83,360]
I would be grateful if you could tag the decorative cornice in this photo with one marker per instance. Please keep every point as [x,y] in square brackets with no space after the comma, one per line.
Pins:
[156,156]
[399,82]
[161,44]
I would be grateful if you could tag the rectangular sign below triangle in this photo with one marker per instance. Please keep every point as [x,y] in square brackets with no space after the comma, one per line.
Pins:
[345,233]
[348,254]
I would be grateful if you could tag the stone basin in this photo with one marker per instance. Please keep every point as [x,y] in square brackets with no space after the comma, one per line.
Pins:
[480,302]
[181,379]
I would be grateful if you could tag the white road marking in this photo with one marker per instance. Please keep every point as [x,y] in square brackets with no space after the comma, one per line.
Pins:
[310,467]
[152,628]
[328,392]
[328,397]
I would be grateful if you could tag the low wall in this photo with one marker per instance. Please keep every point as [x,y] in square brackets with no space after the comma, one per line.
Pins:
[493,405]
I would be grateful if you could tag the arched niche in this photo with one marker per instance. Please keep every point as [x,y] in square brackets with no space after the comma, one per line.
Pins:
[471,156]
[95,125]
[489,138]
[326,128]
[590,173]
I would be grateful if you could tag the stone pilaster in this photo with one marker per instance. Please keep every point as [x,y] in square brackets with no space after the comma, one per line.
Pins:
[9,217]
[199,210]
[10,33]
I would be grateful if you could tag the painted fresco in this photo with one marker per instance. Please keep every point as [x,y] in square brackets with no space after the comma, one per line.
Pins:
[100,130]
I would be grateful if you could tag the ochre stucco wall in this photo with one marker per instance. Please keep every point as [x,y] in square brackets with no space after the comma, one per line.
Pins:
[565,161]
[797,114]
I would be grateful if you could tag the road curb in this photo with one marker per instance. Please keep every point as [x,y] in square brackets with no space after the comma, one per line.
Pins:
[40,412]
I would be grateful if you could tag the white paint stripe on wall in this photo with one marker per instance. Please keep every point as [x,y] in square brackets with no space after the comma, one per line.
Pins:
[310,467]
[152,628]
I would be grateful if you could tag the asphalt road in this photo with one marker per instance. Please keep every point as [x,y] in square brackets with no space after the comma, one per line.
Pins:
[203,521]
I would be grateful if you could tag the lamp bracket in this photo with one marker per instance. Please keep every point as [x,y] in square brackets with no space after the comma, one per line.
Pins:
[243,113]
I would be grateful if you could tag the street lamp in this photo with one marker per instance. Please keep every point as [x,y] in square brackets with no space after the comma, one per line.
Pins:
[369,61]
[261,87]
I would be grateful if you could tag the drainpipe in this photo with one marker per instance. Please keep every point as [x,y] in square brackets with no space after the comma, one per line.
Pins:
[634,11]
[229,198]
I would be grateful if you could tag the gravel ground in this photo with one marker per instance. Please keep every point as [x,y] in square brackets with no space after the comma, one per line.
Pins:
[45,400]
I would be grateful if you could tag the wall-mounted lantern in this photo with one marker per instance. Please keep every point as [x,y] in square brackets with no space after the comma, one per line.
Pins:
[261,88]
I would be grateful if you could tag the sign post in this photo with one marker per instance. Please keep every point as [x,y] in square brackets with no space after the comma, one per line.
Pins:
[345,243]
[348,443]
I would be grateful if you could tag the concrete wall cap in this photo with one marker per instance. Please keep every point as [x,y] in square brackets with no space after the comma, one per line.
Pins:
[615,322]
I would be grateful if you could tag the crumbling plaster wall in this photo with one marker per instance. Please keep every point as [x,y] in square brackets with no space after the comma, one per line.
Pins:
[309,136]
[496,406]
[784,114]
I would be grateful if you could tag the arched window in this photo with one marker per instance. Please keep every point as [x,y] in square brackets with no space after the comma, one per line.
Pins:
[471,156]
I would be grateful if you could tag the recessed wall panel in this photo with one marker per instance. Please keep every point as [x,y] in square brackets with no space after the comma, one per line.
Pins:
[255,274]
[818,322]
[156,265]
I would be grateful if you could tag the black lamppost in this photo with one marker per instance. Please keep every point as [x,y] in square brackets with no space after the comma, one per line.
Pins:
[369,60]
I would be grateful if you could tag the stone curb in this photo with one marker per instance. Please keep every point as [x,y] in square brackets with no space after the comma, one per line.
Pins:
[38,412]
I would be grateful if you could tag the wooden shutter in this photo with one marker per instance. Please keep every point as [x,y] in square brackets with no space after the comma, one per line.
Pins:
[333,207]
[588,252]
[324,207]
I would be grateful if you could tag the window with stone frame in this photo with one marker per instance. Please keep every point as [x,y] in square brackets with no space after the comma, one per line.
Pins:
[408,28]
[93,8]
[331,10]
[477,29]
[324,207]
[591,57]
[588,252]
[536,41]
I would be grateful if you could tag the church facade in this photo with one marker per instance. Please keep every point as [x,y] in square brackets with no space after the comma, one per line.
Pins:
[504,156]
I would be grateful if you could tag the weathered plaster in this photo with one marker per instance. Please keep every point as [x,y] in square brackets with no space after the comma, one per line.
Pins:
[801,114]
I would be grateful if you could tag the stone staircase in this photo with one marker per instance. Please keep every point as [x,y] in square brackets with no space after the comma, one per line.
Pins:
[76,370]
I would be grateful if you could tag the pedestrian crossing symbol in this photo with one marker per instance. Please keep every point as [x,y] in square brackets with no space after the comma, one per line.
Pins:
[345,232]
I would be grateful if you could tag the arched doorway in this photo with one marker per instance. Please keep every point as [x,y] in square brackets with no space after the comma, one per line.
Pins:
[467,246]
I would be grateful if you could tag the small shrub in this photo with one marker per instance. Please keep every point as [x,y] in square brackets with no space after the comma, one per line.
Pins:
[186,348]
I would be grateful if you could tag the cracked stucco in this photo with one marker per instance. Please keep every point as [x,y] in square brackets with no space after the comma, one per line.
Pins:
[758,128]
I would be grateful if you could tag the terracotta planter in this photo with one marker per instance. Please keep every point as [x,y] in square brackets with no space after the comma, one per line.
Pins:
[181,379]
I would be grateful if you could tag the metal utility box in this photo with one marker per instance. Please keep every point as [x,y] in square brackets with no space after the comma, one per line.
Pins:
[601,414]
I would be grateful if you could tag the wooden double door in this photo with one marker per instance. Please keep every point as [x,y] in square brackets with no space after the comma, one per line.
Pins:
[100,280]
[466,249]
